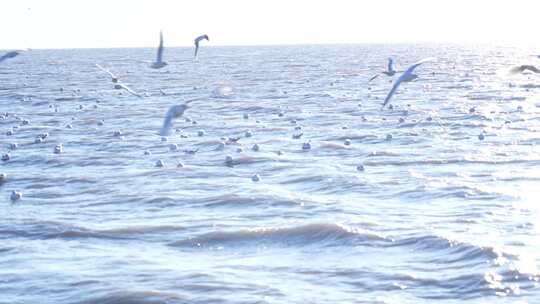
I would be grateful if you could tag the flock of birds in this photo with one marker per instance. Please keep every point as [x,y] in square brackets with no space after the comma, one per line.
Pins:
[177,111]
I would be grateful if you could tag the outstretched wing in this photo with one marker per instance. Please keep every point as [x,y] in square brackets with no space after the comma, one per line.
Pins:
[201,37]
[160,48]
[105,70]
[167,123]
[414,66]
[9,55]
[374,77]
[197,40]
[130,90]
[392,91]
[522,68]
[532,68]
[391,65]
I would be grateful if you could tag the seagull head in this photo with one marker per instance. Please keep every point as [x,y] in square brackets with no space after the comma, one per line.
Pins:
[409,77]
[179,110]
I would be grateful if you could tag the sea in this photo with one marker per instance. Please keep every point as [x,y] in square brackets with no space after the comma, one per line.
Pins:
[285,180]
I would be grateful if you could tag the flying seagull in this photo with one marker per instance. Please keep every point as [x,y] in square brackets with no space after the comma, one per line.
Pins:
[390,70]
[197,40]
[407,76]
[174,112]
[159,59]
[113,77]
[523,68]
[117,84]
[9,55]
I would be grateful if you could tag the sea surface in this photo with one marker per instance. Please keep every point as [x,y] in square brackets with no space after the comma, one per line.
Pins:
[432,201]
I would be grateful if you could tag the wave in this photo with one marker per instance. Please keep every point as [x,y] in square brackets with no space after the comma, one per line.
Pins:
[331,235]
[232,200]
[446,251]
[311,234]
[52,230]
[445,161]
[136,297]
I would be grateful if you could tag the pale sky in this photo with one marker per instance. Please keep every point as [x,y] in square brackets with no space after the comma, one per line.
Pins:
[133,23]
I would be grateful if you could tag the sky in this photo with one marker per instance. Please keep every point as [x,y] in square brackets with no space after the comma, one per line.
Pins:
[136,23]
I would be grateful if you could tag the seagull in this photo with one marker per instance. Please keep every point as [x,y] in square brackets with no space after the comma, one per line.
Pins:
[407,76]
[197,40]
[113,77]
[117,84]
[9,55]
[523,68]
[159,59]
[174,112]
[390,70]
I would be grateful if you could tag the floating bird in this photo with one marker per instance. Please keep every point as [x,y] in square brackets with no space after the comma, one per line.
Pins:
[523,68]
[58,149]
[159,59]
[15,195]
[9,55]
[113,77]
[174,112]
[390,70]
[407,76]
[197,40]
[232,140]
[192,151]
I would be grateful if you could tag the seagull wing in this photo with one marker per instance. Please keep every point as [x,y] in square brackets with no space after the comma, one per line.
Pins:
[201,37]
[523,68]
[404,76]
[392,91]
[197,40]
[414,66]
[532,68]
[125,87]
[160,48]
[9,55]
[391,65]
[167,123]
[106,71]
[374,77]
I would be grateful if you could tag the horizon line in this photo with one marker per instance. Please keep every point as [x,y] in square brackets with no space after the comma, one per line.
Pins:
[463,43]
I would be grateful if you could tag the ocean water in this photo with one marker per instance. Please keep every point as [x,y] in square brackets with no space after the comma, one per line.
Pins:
[445,209]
